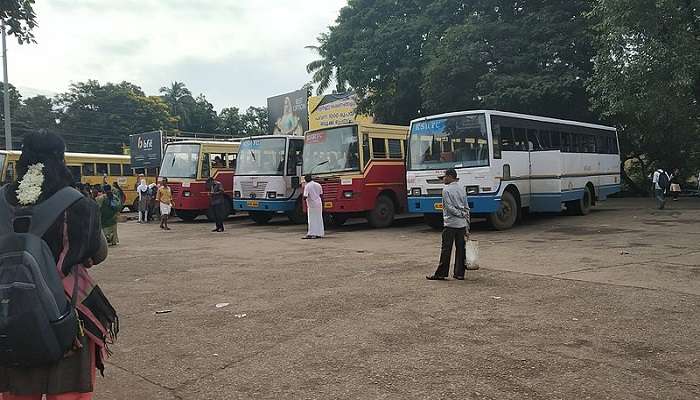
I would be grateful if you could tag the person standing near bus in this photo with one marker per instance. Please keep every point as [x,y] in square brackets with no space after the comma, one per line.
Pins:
[165,199]
[455,213]
[314,208]
[217,203]
[661,182]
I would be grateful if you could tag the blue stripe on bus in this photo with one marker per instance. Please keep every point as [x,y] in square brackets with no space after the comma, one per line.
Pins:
[265,205]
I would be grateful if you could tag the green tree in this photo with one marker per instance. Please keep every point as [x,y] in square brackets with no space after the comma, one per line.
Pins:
[202,117]
[647,80]
[256,121]
[231,122]
[100,118]
[180,100]
[37,113]
[19,16]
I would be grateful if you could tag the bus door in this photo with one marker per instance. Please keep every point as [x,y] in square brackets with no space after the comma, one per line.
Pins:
[545,173]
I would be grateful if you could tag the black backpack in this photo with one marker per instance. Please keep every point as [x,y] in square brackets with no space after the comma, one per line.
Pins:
[38,324]
[663,180]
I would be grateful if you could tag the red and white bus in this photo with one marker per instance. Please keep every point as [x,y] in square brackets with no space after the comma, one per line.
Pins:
[361,167]
[188,163]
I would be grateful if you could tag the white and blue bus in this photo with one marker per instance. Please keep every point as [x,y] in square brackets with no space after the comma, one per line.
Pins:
[508,162]
[268,178]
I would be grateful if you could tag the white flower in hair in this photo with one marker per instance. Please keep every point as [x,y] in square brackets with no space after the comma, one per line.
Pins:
[29,188]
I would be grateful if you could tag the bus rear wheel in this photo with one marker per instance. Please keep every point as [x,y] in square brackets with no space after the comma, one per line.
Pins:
[260,218]
[507,213]
[383,213]
[583,205]
[434,220]
[187,216]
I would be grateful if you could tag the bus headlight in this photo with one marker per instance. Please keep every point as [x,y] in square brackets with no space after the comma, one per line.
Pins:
[415,192]
[187,193]
[237,194]
[271,195]
[347,194]
[472,190]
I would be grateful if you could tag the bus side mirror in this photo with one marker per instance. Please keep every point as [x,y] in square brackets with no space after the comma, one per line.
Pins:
[296,182]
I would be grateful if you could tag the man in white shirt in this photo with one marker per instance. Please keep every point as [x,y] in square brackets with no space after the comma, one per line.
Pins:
[661,181]
[314,208]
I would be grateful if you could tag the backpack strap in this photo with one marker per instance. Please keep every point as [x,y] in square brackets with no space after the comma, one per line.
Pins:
[45,214]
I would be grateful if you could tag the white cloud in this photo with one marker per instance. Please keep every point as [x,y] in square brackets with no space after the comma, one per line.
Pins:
[237,52]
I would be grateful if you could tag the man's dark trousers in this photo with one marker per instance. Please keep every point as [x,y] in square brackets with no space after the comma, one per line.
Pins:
[450,236]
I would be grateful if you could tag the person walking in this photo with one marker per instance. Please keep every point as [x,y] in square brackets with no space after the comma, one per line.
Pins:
[455,213]
[110,207]
[661,182]
[76,242]
[145,198]
[675,184]
[313,191]
[165,199]
[217,203]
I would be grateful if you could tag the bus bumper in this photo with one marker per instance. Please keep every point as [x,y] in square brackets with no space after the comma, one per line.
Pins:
[483,204]
[264,205]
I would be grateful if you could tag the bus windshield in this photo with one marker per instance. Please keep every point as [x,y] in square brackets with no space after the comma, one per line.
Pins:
[331,150]
[452,142]
[180,161]
[263,156]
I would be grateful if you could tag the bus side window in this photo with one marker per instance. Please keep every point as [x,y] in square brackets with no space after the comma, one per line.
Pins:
[365,148]
[231,160]
[378,148]
[206,170]
[115,169]
[496,133]
[89,169]
[101,169]
[395,149]
[10,175]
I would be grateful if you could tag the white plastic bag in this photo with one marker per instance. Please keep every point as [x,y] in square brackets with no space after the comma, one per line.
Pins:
[472,253]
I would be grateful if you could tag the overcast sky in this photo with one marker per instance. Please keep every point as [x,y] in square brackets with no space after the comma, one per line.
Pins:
[236,52]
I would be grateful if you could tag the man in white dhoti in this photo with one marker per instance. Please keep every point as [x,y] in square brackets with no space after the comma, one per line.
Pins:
[314,208]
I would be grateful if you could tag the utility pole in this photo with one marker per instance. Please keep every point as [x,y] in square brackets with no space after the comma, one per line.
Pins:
[8,125]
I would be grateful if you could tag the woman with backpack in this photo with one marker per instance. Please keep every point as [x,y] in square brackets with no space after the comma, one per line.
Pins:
[75,243]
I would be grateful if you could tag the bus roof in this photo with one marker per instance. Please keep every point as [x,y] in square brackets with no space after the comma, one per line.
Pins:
[76,155]
[516,115]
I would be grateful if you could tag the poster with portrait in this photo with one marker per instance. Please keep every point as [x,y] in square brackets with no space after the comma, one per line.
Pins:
[288,113]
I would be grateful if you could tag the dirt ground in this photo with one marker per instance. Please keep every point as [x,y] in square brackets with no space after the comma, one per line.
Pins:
[597,307]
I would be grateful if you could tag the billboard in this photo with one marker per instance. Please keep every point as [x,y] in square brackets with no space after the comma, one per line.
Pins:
[288,113]
[146,149]
[333,110]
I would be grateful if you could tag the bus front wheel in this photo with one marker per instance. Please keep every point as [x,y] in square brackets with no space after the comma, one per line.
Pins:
[383,213]
[434,220]
[507,213]
[187,216]
[261,218]
[297,216]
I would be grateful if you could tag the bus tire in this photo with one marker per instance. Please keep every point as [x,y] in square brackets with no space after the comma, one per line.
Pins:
[434,220]
[297,216]
[260,218]
[583,205]
[507,213]
[338,219]
[383,213]
[187,216]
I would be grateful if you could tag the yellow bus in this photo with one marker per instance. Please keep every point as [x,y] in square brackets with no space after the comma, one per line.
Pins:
[91,169]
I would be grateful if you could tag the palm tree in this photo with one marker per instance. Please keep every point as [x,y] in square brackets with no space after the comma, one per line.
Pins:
[325,69]
[179,98]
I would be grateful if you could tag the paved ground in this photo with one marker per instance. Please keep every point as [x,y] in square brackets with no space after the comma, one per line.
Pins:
[597,307]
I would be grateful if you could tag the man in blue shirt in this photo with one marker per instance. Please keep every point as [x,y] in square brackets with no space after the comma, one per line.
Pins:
[455,213]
